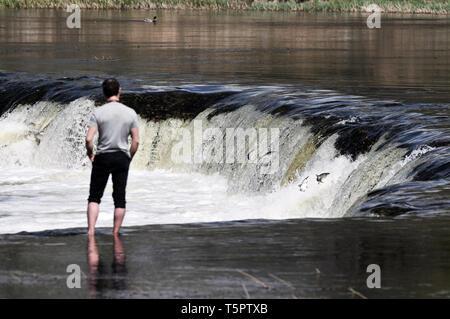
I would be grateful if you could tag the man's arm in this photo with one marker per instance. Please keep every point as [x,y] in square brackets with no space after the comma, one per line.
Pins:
[90,142]
[134,141]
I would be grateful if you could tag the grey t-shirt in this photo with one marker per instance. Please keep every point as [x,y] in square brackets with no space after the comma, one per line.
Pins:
[114,121]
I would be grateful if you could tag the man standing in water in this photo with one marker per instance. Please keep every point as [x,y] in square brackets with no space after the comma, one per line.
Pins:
[114,123]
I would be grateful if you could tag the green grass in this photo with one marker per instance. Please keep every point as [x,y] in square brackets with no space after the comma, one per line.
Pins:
[403,6]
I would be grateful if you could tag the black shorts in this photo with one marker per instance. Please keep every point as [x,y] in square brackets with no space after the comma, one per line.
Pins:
[116,164]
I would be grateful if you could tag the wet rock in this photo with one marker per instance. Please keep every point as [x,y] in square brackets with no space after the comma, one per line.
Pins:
[160,106]
[358,140]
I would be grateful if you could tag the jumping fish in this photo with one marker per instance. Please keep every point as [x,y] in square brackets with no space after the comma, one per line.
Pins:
[37,135]
[321,177]
[303,184]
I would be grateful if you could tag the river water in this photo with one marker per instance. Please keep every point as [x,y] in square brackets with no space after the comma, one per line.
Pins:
[369,107]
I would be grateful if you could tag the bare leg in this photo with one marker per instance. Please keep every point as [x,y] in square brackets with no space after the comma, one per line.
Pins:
[119,252]
[119,214]
[92,215]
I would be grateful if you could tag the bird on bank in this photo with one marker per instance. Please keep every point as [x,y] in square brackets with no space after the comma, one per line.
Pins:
[150,20]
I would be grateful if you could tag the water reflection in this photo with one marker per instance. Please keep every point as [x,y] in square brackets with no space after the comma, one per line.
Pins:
[100,279]
[246,47]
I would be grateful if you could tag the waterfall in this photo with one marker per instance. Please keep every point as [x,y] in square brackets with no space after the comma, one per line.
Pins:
[270,144]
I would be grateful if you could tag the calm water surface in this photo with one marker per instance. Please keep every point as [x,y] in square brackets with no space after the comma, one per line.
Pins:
[407,53]
[315,259]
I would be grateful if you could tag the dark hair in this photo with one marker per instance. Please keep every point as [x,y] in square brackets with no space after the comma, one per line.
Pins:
[110,87]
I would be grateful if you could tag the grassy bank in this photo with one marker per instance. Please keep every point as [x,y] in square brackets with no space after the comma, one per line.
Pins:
[397,6]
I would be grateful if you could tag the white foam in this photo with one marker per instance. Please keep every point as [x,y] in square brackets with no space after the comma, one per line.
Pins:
[35,199]
[420,151]
[44,180]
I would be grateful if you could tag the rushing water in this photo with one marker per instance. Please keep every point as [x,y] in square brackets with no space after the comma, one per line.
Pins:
[314,93]
[378,154]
